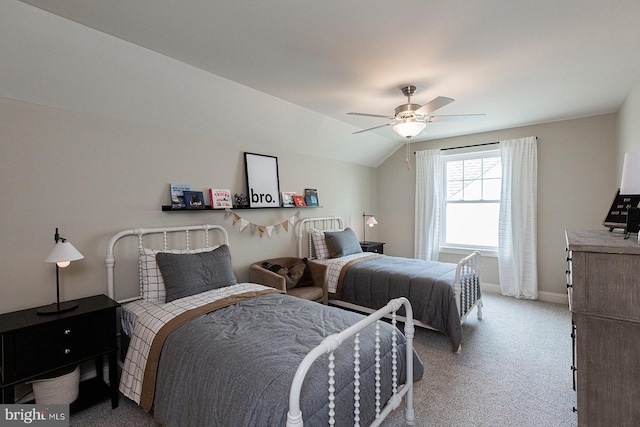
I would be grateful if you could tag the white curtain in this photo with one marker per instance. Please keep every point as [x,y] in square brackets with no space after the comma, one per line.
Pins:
[428,201]
[517,260]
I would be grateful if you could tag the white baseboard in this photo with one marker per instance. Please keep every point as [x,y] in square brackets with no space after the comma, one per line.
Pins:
[554,297]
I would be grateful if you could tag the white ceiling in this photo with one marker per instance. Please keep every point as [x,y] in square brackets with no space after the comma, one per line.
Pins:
[519,62]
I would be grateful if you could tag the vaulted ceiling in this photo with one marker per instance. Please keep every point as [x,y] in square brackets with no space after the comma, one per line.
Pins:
[518,62]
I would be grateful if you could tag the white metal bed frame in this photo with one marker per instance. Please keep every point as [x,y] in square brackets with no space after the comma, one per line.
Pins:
[467,280]
[110,260]
[328,345]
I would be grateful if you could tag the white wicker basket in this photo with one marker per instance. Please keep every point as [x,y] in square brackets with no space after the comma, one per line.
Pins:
[59,390]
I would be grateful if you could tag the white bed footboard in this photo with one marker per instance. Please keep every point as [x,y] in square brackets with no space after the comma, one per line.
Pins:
[467,285]
[332,342]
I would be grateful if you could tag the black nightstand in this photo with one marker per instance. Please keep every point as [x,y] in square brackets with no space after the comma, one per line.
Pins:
[376,247]
[34,345]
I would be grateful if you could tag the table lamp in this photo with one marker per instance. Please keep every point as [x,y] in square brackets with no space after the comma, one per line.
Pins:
[62,254]
[369,220]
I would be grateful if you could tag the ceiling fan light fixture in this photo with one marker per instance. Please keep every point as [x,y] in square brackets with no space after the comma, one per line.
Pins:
[409,129]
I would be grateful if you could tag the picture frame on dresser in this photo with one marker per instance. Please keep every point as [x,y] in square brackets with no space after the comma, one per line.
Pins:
[619,211]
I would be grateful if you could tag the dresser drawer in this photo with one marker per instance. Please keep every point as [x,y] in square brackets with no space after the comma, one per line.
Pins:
[612,285]
[65,341]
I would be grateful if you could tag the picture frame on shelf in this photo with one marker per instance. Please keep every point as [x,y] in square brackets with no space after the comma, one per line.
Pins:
[299,200]
[220,198]
[263,186]
[194,200]
[176,191]
[287,199]
[311,197]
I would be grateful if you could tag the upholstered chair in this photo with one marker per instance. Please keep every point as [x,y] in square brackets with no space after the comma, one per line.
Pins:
[311,286]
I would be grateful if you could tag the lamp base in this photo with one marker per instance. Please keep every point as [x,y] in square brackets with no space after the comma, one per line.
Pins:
[57,308]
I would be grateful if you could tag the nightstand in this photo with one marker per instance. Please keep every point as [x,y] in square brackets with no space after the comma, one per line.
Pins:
[376,247]
[34,345]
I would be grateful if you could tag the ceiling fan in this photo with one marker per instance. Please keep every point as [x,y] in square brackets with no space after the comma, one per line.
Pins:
[411,119]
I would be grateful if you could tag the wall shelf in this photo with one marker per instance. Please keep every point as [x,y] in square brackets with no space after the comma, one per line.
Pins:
[208,208]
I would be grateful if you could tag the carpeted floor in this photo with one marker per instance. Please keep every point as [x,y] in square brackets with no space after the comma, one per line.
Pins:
[514,370]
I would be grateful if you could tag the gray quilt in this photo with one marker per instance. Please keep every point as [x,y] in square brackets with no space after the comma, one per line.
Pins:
[428,285]
[234,366]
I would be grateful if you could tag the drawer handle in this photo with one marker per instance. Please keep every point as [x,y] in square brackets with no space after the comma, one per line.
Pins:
[67,331]
[67,350]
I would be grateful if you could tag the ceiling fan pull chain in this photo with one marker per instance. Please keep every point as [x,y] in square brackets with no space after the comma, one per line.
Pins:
[408,145]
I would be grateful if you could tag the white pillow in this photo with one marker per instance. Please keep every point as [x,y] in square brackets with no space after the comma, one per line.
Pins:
[320,248]
[153,289]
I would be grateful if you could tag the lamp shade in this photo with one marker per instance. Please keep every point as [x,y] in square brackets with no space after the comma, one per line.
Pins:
[409,128]
[62,253]
[371,221]
[630,184]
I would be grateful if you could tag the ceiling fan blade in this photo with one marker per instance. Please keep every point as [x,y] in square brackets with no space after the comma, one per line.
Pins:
[433,105]
[373,115]
[456,118]
[381,126]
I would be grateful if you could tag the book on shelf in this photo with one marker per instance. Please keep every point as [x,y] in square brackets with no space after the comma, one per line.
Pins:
[287,199]
[220,199]
[193,199]
[311,196]
[177,195]
[299,200]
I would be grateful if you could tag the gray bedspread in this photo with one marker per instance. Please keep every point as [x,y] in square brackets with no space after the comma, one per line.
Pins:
[428,285]
[234,366]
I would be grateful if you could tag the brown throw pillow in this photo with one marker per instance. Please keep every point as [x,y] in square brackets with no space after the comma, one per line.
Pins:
[291,274]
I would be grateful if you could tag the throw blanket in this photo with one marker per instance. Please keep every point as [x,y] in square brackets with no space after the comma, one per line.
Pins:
[147,319]
[234,366]
[372,282]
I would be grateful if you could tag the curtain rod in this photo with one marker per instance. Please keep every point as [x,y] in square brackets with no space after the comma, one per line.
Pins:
[469,146]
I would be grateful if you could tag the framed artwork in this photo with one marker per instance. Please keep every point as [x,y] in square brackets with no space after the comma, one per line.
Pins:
[193,199]
[220,199]
[263,184]
[311,196]
[177,195]
[617,215]
[287,199]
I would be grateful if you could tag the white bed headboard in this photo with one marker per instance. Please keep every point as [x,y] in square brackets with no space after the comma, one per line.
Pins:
[305,225]
[196,234]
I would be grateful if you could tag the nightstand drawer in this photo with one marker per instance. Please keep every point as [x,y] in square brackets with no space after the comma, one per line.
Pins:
[57,343]
[33,345]
[71,329]
[377,247]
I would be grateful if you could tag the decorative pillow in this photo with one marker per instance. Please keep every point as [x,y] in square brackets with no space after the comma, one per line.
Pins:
[152,284]
[320,248]
[341,243]
[291,275]
[190,274]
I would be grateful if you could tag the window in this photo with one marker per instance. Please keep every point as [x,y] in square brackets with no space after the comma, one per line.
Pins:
[471,205]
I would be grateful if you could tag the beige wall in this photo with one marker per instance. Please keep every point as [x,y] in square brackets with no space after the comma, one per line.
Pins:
[629,125]
[577,180]
[92,177]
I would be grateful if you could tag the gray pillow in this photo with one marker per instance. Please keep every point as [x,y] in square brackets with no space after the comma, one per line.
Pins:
[190,274]
[341,243]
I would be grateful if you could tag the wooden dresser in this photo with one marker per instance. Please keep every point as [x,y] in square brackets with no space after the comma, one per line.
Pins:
[604,297]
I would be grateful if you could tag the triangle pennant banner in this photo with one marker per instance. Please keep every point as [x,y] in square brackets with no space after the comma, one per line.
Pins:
[243,223]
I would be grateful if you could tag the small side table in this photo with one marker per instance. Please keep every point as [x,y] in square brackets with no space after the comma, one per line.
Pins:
[35,345]
[372,247]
